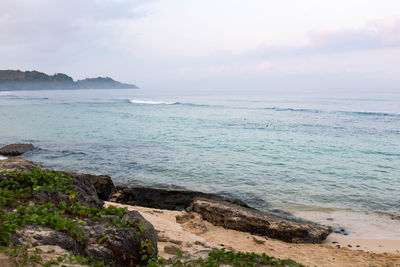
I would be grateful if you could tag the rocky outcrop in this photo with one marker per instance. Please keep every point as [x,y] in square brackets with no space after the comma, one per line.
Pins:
[119,246]
[118,238]
[243,219]
[103,184]
[230,214]
[92,189]
[162,198]
[87,194]
[15,149]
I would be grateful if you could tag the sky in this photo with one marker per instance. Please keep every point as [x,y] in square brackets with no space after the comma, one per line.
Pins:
[217,45]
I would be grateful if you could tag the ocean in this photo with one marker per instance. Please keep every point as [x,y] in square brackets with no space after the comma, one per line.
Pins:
[329,157]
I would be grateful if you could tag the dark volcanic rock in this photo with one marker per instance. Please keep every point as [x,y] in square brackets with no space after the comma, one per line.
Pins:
[82,184]
[87,194]
[103,239]
[15,149]
[38,235]
[256,222]
[118,246]
[161,198]
[112,243]
[102,183]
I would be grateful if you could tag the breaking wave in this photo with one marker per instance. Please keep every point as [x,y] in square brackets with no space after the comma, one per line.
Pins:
[147,102]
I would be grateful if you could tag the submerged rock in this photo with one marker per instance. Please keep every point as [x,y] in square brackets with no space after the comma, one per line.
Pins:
[243,219]
[15,149]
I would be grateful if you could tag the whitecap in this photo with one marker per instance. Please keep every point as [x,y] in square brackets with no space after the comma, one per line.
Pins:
[136,101]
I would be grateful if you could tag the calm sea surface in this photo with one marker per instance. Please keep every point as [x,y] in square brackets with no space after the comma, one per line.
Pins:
[311,154]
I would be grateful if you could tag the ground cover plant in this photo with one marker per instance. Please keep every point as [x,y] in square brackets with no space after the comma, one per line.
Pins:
[19,209]
[219,257]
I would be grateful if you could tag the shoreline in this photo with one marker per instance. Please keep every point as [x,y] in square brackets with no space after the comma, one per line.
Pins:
[196,234]
[191,233]
[374,225]
[356,224]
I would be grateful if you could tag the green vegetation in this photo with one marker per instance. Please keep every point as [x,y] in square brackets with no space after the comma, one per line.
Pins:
[221,256]
[18,210]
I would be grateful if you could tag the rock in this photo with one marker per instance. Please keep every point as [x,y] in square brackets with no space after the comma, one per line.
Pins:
[17,163]
[162,198]
[49,253]
[102,240]
[113,244]
[192,222]
[87,193]
[119,246]
[103,184]
[258,241]
[15,149]
[172,249]
[256,222]
[82,184]
[34,235]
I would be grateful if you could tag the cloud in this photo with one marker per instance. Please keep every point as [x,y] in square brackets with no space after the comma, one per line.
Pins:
[43,27]
[376,35]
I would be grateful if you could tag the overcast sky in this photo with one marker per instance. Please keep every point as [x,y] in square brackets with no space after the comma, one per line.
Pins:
[213,44]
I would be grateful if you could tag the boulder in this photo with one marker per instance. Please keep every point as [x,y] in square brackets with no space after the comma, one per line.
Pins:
[82,184]
[118,246]
[234,217]
[103,184]
[34,235]
[162,198]
[104,239]
[15,149]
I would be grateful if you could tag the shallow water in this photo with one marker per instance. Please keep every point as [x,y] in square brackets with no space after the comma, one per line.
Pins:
[293,151]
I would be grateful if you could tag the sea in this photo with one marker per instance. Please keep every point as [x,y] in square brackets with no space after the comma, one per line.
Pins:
[329,157]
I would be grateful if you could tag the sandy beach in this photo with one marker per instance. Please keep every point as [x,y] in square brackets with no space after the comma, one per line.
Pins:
[188,233]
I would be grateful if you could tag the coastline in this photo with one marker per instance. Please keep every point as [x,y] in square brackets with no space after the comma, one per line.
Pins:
[197,235]
[178,232]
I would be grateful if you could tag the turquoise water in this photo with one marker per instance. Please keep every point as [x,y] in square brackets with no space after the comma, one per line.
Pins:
[288,151]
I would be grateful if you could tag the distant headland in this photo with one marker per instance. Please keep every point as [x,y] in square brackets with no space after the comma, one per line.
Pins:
[35,80]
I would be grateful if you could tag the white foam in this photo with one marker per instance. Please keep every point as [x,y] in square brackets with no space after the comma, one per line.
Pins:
[2,157]
[136,101]
[362,225]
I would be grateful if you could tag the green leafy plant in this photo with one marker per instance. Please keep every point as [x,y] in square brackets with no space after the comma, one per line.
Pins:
[17,210]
